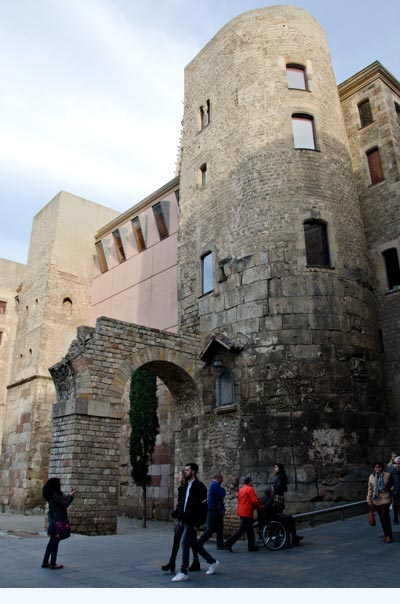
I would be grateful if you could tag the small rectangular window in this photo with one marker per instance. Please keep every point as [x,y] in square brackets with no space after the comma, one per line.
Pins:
[204,176]
[303,131]
[296,77]
[161,215]
[391,259]
[316,240]
[375,166]
[365,112]
[138,233]
[118,246]
[3,307]
[1,336]
[207,273]
[101,256]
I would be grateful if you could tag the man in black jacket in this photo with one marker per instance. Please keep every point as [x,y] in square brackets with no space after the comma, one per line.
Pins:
[194,505]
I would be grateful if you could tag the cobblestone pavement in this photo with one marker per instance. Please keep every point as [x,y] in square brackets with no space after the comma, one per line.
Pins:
[346,553]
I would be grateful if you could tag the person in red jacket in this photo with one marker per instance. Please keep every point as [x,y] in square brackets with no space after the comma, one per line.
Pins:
[247,503]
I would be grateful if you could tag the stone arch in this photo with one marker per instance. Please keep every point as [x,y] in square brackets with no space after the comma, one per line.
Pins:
[178,399]
[89,412]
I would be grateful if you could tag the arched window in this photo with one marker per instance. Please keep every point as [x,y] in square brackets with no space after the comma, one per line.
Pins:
[316,240]
[296,76]
[303,131]
[225,388]
[67,307]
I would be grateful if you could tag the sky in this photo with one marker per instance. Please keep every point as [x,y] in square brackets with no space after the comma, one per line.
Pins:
[91,92]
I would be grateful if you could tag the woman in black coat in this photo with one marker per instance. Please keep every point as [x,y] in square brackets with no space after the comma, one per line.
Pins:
[58,503]
[281,480]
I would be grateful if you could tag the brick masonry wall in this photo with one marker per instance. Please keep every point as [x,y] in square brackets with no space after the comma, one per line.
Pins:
[95,443]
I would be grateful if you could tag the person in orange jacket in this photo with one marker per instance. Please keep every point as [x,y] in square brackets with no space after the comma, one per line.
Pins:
[247,503]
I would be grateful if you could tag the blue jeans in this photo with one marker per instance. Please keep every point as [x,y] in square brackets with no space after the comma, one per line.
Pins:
[214,524]
[189,541]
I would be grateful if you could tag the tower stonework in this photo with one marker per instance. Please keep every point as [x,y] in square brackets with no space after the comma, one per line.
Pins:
[53,300]
[379,132]
[304,336]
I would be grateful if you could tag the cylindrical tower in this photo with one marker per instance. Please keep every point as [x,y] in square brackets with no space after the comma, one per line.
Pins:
[272,259]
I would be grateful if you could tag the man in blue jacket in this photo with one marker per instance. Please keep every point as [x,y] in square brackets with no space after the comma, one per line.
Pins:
[215,513]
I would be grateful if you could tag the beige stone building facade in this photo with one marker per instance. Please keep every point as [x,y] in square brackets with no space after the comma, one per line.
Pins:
[11,277]
[281,344]
[53,299]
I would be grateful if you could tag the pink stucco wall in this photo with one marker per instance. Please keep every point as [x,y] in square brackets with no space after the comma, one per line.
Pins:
[143,288]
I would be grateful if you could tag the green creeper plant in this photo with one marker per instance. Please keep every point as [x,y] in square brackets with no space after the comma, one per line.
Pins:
[145,427]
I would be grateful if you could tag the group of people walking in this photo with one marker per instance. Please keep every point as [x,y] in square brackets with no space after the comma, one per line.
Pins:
[196,506]
[189,514]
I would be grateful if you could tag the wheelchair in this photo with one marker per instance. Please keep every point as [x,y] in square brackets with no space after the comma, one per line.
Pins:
[274,535]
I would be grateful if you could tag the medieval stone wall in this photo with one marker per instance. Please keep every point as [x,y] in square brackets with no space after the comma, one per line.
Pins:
[92,382]
[380,203]
[11,274]
[308,380]
[53,300]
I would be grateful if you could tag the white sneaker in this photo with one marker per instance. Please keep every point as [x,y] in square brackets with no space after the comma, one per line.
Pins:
[180,577]
[212,568]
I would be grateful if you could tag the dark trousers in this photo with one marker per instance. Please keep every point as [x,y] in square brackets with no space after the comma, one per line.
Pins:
[246,526]
[384,517]
[214,524]
[189,540]
[178,532]
[396,505]
[51,550]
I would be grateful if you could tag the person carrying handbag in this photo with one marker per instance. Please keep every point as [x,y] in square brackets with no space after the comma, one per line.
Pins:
[379,498]
[59,527]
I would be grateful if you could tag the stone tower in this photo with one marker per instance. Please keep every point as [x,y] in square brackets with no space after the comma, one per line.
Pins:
[371,109]
[53,300]
[272,260]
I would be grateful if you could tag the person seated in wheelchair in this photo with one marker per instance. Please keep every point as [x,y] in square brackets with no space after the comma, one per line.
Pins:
[273,510]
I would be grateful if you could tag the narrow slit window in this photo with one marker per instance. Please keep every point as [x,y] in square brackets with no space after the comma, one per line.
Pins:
[207,273]
[203,175]
[138,233]
[375,166]
[303,131]
[205,115]
[1,336]
[118,246]
[201,117]
[296,77]
[365,113]
[391,259]
[316,240]
[101,257]
[160,211]
[3,307]
[397,109]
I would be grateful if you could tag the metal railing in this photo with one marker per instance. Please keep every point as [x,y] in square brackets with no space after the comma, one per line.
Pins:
[332,510]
